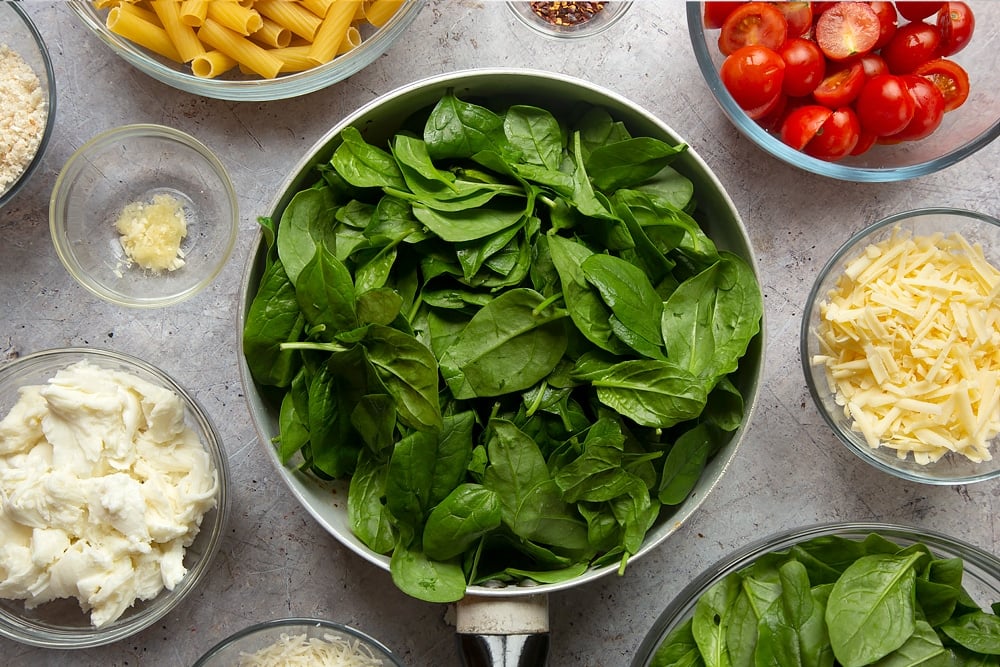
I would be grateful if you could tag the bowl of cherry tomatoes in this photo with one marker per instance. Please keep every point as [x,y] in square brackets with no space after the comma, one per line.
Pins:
[858,91]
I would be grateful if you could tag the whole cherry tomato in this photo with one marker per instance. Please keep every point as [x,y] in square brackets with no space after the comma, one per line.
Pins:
[884,106]
[888,21]
[873,64]
[911,46]
[917,10]
[956,23]
[837,137]
[928,109]
[753,75]
[805,66]
[753,23]
[798,15]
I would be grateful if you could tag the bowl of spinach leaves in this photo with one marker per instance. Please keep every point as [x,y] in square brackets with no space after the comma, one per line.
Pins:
[847,594]
[514,320]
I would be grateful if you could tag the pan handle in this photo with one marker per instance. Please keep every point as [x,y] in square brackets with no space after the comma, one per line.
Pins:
[503,632]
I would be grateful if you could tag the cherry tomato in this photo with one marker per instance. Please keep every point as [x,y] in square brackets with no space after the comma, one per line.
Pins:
[837,137]
[841,87]
[805,66]
[884,106]
[753,23]
[950,78]
[911,46]
[873,65]
[865,141]
[798,15]
[715,13]
[888,20]
[847,29]
[928,109]
[956,23]
[753,75]
[802,123]
[917,10]
[767,114]
[820,7]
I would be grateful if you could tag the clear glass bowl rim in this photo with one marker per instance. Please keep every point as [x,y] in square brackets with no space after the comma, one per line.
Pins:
[258,90]
[677,608]
[290,623]
[57,210]
[50,117]
[582,30]
[780,150]
[812,302]
[167,601]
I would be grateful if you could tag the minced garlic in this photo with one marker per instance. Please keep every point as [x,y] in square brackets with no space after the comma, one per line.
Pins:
[910,341]
[151,232]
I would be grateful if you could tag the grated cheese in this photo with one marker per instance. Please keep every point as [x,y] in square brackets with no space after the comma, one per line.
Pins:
[328,651]
[910,343]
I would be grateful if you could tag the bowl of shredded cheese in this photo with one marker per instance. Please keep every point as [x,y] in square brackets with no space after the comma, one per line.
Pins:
[115,497]
[299,641]
[27,99]
[900,345]
[144,215]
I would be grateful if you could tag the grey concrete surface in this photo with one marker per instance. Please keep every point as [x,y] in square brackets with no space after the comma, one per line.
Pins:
[275,560]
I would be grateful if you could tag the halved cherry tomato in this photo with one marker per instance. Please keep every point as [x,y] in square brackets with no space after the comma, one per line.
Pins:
[799,16]
[841,87]
[928,109]
[847,29]
[911,46]
[753,75]
[715,13]
[873,64]
[820,7]
[837,137]
[884,106]
[950,78]
[753,23]
[917,10]
[805,66]
[956,23]
[888,21]
[802,123]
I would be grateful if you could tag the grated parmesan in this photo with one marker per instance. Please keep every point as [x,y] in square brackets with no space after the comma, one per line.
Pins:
[910,341]
[328,651]
[23,112]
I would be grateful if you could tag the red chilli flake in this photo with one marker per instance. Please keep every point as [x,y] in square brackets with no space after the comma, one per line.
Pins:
[566,13]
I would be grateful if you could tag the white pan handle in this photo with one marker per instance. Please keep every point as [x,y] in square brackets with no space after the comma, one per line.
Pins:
[503,632]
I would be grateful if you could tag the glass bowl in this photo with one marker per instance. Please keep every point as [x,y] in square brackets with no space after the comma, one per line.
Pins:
[962,132]
[19,35]
[245,88]
[903,325]
[594,23]
[230,650]
[981,576]
[61,623]
[146,164]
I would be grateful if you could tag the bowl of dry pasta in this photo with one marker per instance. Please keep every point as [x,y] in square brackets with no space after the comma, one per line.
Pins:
[255,50]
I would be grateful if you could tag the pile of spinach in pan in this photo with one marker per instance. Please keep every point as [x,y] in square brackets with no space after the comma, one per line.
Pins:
[509,332]
[837,601]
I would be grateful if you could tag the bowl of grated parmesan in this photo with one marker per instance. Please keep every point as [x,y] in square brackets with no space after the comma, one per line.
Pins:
[27,99]
[143,215]
[288,642]
[900,345]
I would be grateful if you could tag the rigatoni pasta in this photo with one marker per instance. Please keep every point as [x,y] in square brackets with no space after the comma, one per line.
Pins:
[266,38]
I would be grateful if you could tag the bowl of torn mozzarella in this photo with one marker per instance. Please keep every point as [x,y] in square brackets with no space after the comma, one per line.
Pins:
[114,489]
[900,344]
[299,641]
[143,215]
